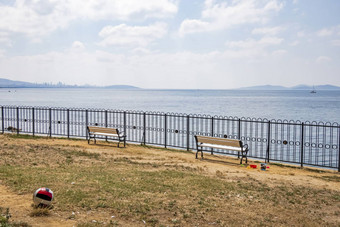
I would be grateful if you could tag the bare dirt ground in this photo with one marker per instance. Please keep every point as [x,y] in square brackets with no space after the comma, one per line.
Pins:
[211,165]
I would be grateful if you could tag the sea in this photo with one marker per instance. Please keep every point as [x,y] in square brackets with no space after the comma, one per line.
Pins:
[296,105]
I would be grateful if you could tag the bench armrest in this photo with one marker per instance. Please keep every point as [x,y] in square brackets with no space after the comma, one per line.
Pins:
[122,134]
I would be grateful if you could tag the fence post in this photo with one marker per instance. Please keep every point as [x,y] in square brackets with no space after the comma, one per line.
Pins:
[212,132]
[86,122]
[212,126]
[302,142]
[125,128]
[165,130]
[33,122]
[188,133]
[239,129]
[144,128]
[68,123]
[50,121]
[2,120]
[18,121]
[239,134]
[339,152]
[106,123]
[268,143]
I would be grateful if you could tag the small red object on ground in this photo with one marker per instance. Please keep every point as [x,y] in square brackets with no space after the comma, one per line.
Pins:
[253,166]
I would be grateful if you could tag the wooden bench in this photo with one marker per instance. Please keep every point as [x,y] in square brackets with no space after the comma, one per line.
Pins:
[221,143]
[110,132]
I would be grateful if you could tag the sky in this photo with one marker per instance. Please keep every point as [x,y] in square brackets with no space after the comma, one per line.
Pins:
[171,44]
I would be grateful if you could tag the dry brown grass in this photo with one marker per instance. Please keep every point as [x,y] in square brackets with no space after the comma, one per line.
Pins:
[136,186]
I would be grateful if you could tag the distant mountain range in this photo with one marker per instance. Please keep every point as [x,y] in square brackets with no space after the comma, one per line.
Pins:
[5,83]
[298,87]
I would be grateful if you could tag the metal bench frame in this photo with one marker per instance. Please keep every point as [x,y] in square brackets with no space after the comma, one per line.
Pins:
[94,131]
[221,143]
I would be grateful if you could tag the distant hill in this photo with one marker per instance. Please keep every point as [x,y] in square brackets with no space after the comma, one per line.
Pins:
[121,87]
[298,87]
[317,87]
[6,83]
[264,87]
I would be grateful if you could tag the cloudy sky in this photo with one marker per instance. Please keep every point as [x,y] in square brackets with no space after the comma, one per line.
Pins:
[197,44]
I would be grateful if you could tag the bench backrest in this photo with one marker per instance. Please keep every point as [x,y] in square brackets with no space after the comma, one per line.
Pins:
[219,141]
[103,130]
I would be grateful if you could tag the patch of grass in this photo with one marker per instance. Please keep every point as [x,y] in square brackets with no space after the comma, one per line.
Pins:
[166,149]
[140,190]
[39,212]
[331,178]
[136,192]
[79,153]
[24,136]
[4,219]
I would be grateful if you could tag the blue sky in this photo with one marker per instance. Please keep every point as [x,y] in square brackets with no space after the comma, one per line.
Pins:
[185,44]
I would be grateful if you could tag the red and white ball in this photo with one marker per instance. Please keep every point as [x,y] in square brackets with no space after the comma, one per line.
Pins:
[43,196]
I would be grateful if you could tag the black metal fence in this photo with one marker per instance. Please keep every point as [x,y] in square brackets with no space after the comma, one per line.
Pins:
[302,143]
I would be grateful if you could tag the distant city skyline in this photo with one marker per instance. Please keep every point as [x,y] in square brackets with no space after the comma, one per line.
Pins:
[171,44]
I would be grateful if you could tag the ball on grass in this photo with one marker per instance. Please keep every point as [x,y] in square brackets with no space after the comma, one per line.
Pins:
[43,197]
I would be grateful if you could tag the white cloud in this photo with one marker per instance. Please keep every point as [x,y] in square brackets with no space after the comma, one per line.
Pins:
[214,70]
[117,9]
[325,32]
[251,43]
[218,16]
[78,46]
[268,30]
[2,53]
[5,39]
[193,26]
[40,17]
[279,52]
[252,49]
[330,31]
[301,34]
[322,59]
[132,35]
[336,42]
[294,43]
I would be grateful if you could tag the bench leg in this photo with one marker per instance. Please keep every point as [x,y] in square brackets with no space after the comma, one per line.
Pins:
[121,140]
[199,150]
[244,155]
[89,139]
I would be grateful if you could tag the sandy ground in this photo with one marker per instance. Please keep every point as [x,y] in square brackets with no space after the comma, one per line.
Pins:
[20,205]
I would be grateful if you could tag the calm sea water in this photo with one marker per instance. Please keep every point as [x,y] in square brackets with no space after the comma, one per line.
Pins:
[290,105]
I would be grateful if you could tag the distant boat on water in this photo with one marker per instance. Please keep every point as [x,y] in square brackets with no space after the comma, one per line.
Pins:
[313,91]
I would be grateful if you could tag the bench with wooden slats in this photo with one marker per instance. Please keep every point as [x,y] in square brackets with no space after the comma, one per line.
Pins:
[221,143]
[114,133]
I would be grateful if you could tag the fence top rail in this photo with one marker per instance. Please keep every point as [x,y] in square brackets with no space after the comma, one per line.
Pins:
[172,114]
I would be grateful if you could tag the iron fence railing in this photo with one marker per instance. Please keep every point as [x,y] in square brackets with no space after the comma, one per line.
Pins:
[302,143]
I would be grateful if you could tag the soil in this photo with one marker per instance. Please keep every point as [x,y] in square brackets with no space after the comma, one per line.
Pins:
[20,204]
